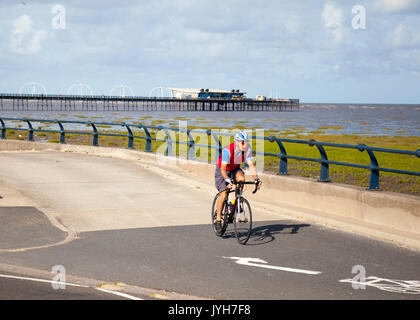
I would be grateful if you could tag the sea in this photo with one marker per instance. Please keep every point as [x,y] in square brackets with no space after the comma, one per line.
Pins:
[312,118]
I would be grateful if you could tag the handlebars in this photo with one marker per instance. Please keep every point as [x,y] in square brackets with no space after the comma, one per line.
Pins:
[247,182]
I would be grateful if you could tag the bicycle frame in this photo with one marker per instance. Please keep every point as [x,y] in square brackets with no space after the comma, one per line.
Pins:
[238,196]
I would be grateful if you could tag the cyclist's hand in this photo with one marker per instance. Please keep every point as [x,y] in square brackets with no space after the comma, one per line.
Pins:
[258,182]
[229,183]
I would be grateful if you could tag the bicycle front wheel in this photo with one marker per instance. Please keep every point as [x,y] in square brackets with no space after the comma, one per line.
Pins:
[242,221]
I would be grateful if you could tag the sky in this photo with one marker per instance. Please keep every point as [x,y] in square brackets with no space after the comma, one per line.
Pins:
[344,51]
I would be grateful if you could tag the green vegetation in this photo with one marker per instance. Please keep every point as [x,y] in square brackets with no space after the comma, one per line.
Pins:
[331,128]
[349,175]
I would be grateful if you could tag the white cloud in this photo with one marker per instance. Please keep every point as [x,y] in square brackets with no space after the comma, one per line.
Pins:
[240,43]
[332,18]
[405,36]
[397,6]
[24,38]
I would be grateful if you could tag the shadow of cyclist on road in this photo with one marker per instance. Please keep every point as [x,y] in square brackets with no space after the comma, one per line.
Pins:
[265,234]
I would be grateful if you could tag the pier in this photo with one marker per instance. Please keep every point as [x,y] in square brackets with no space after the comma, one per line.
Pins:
[41,102]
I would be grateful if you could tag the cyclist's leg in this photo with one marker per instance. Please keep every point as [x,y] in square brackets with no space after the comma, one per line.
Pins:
[220,201]
[239,175]
[221,187]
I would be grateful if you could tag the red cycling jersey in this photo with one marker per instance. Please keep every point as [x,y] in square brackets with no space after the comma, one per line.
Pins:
[234,161]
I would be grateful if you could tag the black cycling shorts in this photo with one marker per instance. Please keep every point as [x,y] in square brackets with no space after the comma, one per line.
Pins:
[220,181]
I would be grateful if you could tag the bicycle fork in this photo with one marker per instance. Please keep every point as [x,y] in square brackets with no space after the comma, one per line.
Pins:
[236,207]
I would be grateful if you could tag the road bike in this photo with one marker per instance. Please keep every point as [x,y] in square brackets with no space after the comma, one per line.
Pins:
[238,211]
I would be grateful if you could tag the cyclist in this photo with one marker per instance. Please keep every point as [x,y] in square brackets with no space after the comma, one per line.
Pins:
[228,168]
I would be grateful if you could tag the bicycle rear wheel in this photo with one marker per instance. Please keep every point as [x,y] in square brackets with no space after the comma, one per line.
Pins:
[214,216]
[242,222]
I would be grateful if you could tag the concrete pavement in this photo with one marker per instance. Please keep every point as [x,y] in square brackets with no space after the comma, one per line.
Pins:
[88,193]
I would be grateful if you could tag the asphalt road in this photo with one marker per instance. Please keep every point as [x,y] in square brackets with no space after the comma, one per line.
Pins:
[284,259]
[21,287]
[192,260]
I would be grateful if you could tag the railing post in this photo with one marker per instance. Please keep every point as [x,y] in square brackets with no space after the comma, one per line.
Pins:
[191,150]
[30,130]
[325,172]
[374,172]
[130,136]
[62,132]
[283,156]
[219,149]
[168,138]
[208,132]
[148,147]
[3,129]
[95,134]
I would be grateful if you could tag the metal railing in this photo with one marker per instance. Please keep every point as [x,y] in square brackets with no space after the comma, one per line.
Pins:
[324,162]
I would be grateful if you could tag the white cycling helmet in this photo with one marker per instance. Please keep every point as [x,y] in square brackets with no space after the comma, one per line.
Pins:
[242,136]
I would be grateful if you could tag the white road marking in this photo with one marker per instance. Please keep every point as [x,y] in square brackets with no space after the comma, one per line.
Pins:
[42,280]
[257,262]
[121,294]
[124,295]
[391,285]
